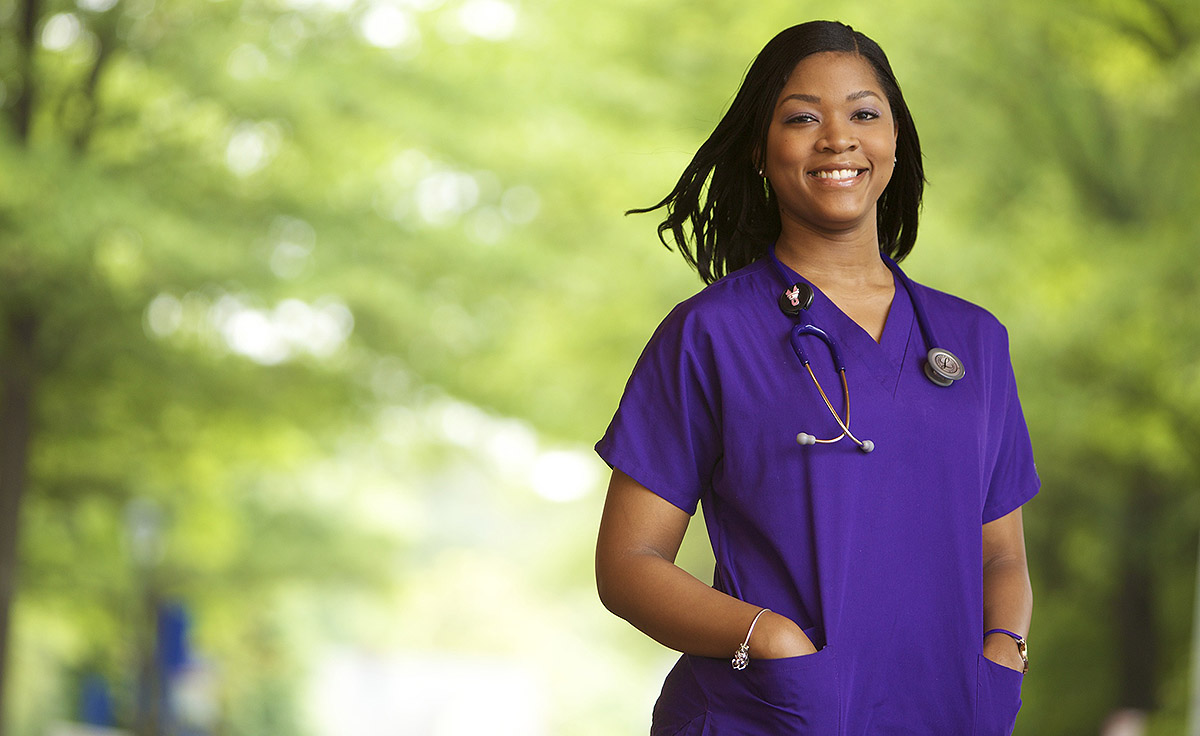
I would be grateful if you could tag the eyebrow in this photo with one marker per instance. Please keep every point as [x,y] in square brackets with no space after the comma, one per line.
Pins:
[816,100]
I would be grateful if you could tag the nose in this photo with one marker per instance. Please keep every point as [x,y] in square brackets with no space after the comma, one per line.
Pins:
[836,137]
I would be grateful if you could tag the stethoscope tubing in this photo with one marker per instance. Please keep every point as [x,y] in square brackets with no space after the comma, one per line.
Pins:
[941,366]
[785,274]
[918,306]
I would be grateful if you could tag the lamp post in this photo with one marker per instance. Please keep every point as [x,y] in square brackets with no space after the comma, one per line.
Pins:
[144,522]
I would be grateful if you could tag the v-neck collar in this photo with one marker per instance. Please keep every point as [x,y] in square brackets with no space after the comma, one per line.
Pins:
[884,359]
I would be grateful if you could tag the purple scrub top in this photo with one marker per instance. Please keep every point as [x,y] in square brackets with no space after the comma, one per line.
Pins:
[878,557]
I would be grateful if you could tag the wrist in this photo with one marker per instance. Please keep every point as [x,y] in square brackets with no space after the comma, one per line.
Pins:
[1007,648]
[741,658]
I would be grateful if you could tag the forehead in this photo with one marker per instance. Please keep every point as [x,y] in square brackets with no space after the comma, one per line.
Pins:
[832,74]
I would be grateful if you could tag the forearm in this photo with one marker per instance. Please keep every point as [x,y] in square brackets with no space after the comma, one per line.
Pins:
[679,611]
[1007,596]
[1007,604]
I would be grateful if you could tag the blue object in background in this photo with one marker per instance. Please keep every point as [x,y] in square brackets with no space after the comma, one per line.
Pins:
[173,625]
[95,702]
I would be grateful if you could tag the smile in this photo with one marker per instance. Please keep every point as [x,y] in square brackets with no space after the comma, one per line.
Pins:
[837,174]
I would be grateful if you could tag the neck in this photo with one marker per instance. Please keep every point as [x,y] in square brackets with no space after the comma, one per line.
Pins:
[835,263]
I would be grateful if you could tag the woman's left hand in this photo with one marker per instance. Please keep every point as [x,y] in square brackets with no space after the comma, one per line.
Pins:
[1002,649]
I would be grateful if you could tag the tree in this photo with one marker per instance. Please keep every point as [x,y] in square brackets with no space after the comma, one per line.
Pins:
[233,235]
[1084,141]
[143,244]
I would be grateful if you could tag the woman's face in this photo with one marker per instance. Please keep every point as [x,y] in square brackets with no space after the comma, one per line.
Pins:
[831,145]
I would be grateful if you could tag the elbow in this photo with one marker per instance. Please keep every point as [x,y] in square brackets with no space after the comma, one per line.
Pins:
[611,585]
[606,597]
[607,589]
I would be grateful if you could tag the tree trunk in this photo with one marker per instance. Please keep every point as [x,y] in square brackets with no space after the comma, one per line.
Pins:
[1137,633]
[105,29]
[22,109]
[17,371]
[1193,727]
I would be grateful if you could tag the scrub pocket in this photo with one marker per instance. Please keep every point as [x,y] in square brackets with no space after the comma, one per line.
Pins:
[794,696]
[681,708]
[997,698]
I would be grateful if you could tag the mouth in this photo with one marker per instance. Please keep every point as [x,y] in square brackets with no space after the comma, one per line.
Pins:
[837,174]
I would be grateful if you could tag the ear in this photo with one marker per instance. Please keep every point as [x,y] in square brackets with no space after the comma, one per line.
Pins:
[756,160]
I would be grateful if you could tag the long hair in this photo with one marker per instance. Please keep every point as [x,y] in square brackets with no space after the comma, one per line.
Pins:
[731,211]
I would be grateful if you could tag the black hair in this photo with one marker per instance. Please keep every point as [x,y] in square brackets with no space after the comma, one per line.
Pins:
[721,198]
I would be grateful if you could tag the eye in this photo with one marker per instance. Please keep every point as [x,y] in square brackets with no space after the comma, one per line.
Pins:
[802,117]
[865,115]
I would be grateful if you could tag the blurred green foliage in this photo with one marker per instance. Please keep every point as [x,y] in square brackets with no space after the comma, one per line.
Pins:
[316,283]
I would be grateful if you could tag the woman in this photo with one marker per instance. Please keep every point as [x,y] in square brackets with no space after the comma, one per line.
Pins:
[849,595]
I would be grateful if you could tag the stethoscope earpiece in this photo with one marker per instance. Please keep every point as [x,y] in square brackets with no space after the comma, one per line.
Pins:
[804,438]
[943,367]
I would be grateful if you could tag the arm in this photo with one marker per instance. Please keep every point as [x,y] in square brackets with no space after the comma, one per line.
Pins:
[638,580]
[1007,594]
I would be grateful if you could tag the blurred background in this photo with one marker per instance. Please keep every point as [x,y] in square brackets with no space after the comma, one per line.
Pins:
[310,311]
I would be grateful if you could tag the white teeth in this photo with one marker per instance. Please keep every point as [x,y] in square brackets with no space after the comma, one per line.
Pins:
[837,174]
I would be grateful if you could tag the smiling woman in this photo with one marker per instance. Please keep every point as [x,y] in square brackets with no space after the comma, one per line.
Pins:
[862,586]
[830,153]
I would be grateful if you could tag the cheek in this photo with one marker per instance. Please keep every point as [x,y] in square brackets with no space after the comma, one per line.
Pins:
[776,150]
[885,147]
[785,145]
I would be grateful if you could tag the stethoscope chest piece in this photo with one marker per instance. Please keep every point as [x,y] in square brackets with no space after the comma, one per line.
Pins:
[796,298]
[943,367]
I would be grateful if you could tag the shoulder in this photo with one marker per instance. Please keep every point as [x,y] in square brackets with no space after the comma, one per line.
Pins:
[972,333]
[721,314]
[729,300]
[964,315]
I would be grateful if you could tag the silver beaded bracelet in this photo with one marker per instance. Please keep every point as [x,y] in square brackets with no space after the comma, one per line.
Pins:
[742,657]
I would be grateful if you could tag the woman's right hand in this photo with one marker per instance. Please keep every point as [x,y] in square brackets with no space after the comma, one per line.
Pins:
[777,637]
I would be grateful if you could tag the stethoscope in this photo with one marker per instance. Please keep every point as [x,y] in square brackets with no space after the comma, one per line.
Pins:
[942,367]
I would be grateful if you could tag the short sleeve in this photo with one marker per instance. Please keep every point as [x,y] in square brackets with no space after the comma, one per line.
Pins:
[1014,479]
[665,433]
